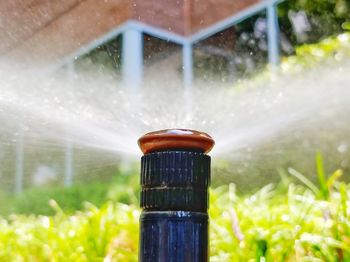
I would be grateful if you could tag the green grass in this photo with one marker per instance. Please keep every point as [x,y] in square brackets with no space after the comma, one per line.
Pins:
[124,189]
[285,223]
[291,226]
[329,50]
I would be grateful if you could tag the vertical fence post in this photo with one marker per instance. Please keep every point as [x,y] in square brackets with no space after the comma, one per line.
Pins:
[19,174]
[68,154]
[187,65]
[68,170]
[132,59]
[273,34]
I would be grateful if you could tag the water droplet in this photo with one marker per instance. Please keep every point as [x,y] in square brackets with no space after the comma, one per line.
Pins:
[342,148]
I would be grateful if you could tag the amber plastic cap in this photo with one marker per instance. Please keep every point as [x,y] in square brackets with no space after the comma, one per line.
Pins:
[176,139]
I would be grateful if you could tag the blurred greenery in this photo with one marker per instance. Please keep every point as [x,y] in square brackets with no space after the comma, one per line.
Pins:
[35,200]
[324,20]
[289,222]
[325,17]
[123,189]
[329,50]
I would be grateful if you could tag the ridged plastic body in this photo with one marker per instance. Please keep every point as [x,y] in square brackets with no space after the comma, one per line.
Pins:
[174,198]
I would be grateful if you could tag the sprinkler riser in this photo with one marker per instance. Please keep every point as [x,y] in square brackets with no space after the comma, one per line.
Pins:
[174,199]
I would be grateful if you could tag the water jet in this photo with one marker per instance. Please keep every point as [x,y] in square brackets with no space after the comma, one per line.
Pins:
[175,176]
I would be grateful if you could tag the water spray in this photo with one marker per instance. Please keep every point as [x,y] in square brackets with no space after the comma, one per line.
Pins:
[175,176]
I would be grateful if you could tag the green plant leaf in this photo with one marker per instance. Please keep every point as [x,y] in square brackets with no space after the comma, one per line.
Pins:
[304,180]
[321,176]
[333,178]
[346,26]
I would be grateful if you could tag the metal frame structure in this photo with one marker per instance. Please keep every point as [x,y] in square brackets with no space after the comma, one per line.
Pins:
[132,40]
[132,57]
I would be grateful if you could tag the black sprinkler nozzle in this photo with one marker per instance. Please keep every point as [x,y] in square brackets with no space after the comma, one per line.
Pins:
[175,176]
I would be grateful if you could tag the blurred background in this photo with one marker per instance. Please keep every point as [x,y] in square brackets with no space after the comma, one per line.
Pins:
[137,45]
[82,80]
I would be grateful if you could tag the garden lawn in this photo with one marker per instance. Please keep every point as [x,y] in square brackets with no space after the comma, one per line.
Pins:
[285,223]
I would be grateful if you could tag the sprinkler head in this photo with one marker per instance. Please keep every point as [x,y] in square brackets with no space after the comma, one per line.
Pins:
[176,139]
[175,176]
